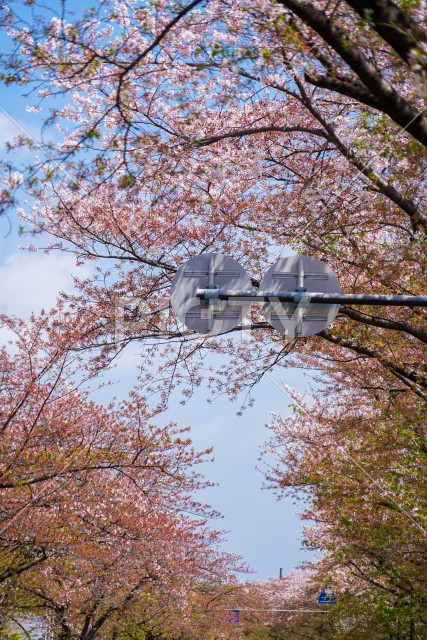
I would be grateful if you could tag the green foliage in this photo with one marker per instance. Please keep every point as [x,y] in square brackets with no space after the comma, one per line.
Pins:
[6,634]
[92,133]
[127,180]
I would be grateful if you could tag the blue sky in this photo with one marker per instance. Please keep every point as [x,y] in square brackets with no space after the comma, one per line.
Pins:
[261,529]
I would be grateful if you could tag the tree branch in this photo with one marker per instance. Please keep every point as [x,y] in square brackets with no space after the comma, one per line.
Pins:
[384,323]
[393,24]
[403,372]
[399,110]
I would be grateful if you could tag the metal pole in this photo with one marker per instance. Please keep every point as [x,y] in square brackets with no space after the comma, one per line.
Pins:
[300,275]
[211,286]
[313,297]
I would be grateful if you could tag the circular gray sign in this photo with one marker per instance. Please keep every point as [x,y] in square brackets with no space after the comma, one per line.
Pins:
[209,271]
[302,274]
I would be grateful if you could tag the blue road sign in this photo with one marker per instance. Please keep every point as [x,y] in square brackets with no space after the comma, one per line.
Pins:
[326,597]
[234,617]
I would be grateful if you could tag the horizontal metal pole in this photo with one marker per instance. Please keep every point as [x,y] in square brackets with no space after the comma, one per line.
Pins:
[312,297]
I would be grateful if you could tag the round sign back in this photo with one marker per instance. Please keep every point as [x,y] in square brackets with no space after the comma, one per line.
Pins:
[209,271]
[303,275]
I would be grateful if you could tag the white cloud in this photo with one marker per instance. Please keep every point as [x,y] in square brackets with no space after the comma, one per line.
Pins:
[10,128]
[31,281]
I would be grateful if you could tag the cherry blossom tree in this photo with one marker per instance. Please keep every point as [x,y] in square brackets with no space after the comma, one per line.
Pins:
[168,101]
[360,471]
[246,128]
[97,503]
[288,608]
